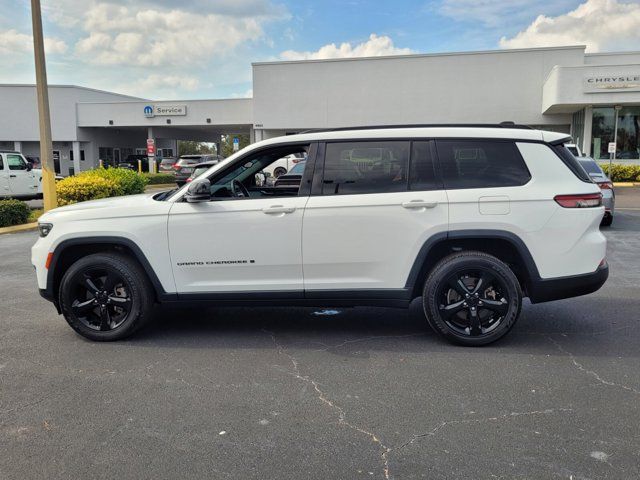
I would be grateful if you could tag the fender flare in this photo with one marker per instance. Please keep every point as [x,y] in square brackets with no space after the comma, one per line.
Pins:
[160,292]
[529,264]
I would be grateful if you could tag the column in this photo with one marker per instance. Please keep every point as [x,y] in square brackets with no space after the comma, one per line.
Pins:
[17,146]
[151,159]
[75,148]
[588,125]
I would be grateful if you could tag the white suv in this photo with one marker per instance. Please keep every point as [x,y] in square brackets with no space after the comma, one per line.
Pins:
[471,219]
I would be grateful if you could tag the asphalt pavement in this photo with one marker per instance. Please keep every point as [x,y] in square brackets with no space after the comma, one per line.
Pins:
[299,393]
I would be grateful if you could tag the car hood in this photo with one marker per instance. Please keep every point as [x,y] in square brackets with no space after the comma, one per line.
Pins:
[125,206]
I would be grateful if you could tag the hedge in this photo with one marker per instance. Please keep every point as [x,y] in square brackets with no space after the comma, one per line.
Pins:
[13,212]
[159,178]
[99,183]
[622,173]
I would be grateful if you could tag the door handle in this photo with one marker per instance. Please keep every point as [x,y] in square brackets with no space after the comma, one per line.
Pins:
[419,204]
[275,209]
[12,176]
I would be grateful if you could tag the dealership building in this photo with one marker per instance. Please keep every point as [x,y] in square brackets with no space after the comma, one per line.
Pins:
[595,97]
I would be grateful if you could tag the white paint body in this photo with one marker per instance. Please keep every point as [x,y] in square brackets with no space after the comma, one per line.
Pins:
[21,182]
[342,242]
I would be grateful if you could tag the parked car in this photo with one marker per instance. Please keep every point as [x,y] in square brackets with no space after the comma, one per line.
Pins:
[17,177]
[184,166]
[166,165]
[200,168]
[469,219]
[131,162]
[606,187]
[284,164]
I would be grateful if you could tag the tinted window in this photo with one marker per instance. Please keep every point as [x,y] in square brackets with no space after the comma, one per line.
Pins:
[481,164]
[16,162]
[365,167]
[574,151]
[421,173]
[590,166]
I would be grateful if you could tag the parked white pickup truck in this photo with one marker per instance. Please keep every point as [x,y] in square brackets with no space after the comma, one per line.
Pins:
[17,178]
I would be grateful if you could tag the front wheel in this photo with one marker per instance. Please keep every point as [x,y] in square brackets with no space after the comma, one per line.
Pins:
[106,296]
[472,298]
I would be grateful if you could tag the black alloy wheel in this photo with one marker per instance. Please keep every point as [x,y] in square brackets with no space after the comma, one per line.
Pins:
[101,299]
[472,298]
[106,296]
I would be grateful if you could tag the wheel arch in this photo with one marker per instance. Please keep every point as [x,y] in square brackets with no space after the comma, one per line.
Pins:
[504,245]
[69,251]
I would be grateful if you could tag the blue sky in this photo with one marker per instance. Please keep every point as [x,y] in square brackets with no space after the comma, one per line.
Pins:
[204,48]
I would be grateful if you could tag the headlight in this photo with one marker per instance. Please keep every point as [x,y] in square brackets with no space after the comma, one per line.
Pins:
[44,229]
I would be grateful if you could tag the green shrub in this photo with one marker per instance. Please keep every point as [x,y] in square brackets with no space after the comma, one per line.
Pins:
[159,178]
[131,182]
[99,183]
[13,212]
[81,188]
[622,173]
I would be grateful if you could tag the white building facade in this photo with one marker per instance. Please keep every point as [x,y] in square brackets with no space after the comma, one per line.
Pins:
[594,97]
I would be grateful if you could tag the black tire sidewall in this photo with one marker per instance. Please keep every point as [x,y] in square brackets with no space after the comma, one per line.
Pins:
[138,290]
[470,260]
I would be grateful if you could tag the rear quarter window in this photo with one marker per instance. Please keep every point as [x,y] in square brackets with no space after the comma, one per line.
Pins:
[481,164]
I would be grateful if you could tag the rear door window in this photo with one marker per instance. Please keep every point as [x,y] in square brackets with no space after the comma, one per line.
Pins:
[481,164]
[365,167]
[422,172]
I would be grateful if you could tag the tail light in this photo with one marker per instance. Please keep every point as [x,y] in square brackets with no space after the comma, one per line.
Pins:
[297,160]
[189,179]
[586,200]
[605,185]
[175,166]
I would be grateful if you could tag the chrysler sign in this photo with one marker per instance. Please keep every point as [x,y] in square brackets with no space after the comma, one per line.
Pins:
[608,83]
[164,110]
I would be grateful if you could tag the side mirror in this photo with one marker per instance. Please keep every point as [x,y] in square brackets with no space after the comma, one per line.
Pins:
[198,191]
[29,166]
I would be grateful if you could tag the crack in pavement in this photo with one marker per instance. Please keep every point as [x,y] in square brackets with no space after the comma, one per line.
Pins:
[594,374]
[365,339]
[331,404]
[446,423]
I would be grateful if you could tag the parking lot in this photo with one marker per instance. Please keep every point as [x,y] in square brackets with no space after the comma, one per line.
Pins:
[293,393]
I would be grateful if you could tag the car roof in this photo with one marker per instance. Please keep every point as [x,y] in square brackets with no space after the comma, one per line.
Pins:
[460,131]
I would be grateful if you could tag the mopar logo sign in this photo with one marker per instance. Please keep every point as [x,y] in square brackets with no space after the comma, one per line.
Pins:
[148,111]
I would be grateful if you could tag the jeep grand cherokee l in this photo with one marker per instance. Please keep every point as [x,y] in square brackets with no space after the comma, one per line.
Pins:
[471,219]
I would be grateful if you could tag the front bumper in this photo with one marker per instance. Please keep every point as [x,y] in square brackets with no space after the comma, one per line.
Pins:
[546,290]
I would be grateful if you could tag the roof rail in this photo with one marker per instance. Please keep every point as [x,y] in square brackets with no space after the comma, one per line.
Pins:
[422,125]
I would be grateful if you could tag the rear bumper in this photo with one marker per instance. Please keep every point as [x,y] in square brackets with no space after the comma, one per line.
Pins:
[542,290]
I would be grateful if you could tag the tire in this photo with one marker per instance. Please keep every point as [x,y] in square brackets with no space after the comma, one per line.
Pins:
[466,311]
[128,300]
[279,171]
[607,220]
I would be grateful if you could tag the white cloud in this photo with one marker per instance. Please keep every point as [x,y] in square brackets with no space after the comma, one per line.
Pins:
[495,12]
[375,46]
[13,43]
[598,24]
[247,94]
[127,35]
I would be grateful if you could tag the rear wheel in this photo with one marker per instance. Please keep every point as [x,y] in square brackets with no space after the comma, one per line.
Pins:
[279,171]
[607,220]
[106,296]
[472,298]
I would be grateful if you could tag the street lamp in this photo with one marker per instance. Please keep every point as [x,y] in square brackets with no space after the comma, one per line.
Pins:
[46,147]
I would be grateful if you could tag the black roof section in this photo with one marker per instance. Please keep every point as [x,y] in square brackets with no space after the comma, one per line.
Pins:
[424,125]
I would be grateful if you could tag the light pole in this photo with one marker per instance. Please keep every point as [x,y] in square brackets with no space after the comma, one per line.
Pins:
[46,147]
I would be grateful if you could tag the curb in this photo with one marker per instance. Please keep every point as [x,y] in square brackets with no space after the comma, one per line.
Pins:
[19,228]
[626,184]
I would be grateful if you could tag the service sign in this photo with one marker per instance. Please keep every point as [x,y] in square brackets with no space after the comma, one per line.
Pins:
[612,83]
[164,110]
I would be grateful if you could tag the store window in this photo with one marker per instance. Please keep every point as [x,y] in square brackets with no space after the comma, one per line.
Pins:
[628,138]
[602,131]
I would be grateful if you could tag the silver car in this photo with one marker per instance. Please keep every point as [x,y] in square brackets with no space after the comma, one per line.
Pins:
[606,187]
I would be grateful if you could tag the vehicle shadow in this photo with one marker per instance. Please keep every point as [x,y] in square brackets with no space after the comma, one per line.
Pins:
[579,325]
